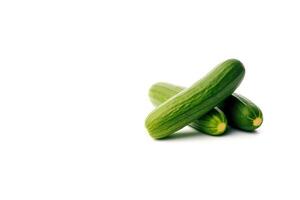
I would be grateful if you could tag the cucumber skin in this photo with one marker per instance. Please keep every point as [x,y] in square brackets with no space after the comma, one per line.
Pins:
[208,123]
[195,101]
[241,112]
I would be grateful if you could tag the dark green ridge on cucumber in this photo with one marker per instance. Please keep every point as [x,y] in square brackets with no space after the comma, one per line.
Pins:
[195,101]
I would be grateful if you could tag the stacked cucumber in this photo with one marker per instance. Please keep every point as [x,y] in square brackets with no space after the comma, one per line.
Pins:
[209,105]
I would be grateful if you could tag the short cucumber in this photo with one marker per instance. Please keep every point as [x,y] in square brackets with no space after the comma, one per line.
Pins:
[195,101]
[212,123]
[242,113]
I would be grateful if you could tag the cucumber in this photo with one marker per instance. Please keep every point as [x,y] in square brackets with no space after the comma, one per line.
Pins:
[195,101]
[242,113]
[212,123]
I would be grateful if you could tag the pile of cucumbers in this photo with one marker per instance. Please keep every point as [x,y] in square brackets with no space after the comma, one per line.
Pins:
[209,105]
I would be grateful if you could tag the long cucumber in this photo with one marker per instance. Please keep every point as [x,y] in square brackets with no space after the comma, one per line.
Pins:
[195,101]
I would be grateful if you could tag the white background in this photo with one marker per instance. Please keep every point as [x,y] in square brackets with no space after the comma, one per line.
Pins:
[74,80]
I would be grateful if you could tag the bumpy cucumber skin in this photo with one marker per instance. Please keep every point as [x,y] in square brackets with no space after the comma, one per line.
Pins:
[195,101]
[242,113]
[212,123]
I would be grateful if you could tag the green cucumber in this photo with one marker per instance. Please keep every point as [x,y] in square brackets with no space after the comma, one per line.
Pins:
[195,101]
[212,123]
[242,113]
